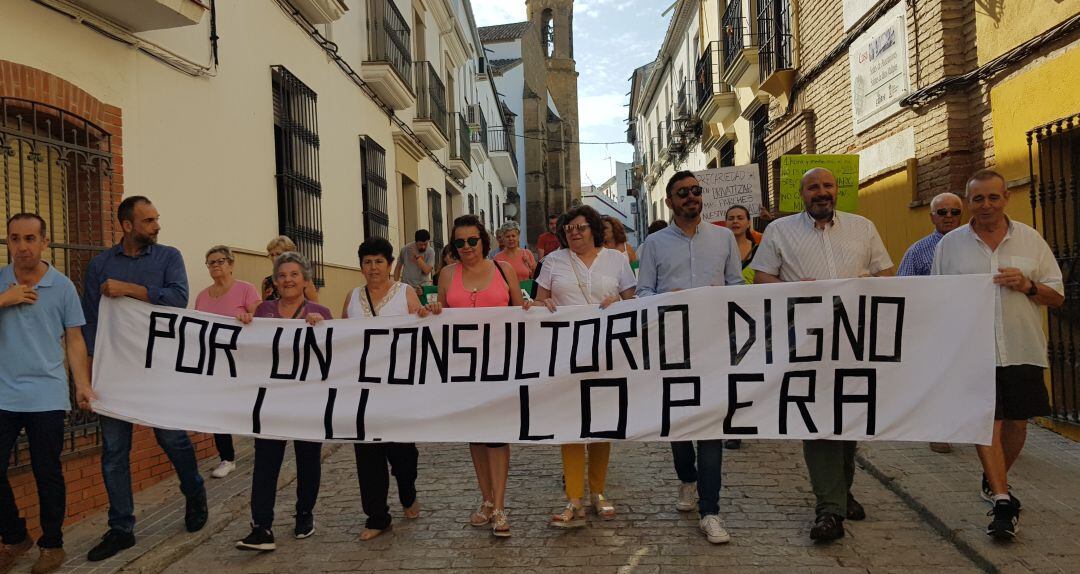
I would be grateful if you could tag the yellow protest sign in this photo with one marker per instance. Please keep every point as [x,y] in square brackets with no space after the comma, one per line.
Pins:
[844,167]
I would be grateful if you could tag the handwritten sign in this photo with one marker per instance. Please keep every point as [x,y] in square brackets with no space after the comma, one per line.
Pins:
[844,167]
[727,186]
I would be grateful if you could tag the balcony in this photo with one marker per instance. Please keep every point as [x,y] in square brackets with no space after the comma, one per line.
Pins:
[431,120]
[776,69]
[503,154]
[389,67]
[144,15]
[716,102]
[478,130]
[460,154]
[740,48]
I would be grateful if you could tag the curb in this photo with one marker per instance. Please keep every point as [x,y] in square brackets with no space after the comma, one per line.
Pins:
[955,537]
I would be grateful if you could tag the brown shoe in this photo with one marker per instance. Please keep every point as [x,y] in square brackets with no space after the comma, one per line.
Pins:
[11,552]
[49,560]
[941,447]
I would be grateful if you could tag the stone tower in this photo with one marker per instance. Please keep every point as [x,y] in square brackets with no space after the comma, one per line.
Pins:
[554,21]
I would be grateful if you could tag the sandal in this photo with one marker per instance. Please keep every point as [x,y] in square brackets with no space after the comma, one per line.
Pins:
[412,512]
[369,533]
[571,517]
[483,514]
[603,507]
[500,527]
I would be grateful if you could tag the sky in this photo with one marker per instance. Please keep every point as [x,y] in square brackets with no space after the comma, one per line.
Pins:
[611,39]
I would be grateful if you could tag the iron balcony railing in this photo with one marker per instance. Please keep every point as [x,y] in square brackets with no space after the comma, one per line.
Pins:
[389,38]
[431,97]
[480,127]
[707,79]
[1054,167]
[502,140]
[774,35]
[737,33]
[459,149]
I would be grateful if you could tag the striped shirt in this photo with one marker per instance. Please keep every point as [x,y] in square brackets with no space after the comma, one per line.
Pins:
[793,248]
[920,256]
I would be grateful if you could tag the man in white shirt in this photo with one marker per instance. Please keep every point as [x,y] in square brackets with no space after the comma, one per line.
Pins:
[1028,278]
[822,243]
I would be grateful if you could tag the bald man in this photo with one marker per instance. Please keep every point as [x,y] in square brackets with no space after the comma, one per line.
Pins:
[822,243]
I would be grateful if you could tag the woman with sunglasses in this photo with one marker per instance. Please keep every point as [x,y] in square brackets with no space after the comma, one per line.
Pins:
[586,273]
[383,297]
[229,297]
[475,281]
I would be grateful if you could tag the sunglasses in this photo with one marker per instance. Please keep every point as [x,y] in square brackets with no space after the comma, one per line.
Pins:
[579,227]
[686,191]
[472,241]
[952,212]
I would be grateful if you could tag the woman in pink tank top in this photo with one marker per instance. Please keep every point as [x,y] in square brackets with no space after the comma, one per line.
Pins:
[476,282]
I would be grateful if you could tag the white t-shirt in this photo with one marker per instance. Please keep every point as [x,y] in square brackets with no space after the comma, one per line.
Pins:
[393,304]
[571,282]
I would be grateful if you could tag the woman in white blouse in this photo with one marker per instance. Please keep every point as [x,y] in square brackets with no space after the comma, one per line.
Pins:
[584,274]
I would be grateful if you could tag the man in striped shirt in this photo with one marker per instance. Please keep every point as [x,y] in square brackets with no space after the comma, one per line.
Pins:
[822,243]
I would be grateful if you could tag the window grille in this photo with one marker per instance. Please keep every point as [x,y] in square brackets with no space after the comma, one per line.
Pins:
[373,164]
[435,211]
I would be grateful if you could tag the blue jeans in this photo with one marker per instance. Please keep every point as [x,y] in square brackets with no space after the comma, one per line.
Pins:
[706,471]
[116,467]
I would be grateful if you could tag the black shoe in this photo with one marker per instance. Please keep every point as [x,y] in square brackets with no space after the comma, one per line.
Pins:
[1006,515]
[828,526]
[113,542]
[260,540]
[196,514]
[305,525]
[988,495]
[733,443]
[855,511]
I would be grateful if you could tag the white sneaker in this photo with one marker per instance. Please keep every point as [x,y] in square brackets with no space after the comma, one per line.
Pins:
[714,531]
[687,497]
[223,469]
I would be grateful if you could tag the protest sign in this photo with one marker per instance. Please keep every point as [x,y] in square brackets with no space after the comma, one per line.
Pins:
[724,187]
[852,359]
[844,167]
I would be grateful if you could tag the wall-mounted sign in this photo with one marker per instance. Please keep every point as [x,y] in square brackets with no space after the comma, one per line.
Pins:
[879,70]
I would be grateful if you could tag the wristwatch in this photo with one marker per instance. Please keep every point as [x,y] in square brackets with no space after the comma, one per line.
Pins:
[1034,290]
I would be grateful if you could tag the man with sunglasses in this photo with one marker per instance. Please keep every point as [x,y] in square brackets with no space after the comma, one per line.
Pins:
[686,254]
[823,243]
[945,211]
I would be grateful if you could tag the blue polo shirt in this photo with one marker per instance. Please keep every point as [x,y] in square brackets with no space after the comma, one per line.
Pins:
[32,373]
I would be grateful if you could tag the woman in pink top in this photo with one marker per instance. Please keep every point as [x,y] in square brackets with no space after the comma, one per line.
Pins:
[477,282]
[511,251]
[229,297]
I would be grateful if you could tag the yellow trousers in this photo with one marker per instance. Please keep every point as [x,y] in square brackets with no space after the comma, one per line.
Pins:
[573,462]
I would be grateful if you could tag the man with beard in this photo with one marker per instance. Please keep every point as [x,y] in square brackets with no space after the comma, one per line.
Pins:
[945,211]
[686,254]
[822,243]
[138,267]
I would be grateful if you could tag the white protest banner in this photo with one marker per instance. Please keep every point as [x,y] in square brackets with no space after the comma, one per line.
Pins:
[856,359]
[724,187]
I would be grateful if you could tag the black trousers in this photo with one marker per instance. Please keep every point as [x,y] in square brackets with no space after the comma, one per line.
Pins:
[268,457]
[45,432]
[224,445]
[372,460]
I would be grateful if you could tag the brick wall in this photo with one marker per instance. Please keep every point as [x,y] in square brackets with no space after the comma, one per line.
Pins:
[82,465]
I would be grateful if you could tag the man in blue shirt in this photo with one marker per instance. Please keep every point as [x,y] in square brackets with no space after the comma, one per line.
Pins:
[687,254]
[138,267]
[40,322]
[945,211]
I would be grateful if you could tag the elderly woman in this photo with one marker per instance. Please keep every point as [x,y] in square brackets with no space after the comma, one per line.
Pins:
[615,238]
[586,273]
[478,282]
[276,247]
[229,297]
[520,259]
[292,276]
[382,297]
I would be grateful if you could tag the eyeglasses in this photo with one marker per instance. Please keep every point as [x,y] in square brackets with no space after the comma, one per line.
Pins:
[952,212]
[579,227]
[472,241]
[216,262]
[686,191]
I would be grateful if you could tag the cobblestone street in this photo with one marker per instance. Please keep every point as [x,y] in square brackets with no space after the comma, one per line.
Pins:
[766,504]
